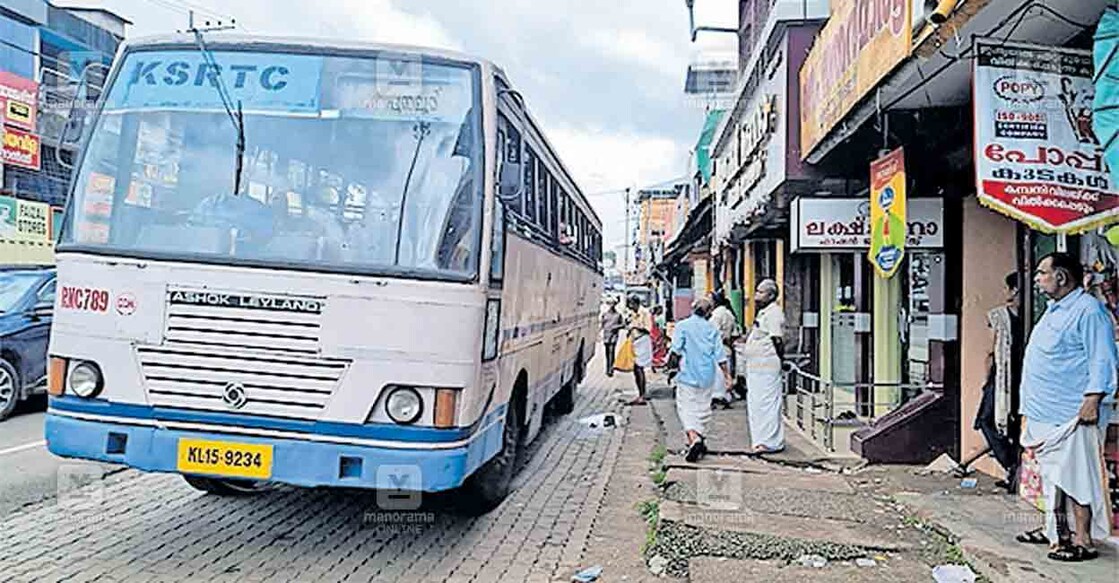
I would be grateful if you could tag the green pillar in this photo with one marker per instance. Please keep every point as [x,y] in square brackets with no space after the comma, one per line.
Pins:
[827,305]
[887,340]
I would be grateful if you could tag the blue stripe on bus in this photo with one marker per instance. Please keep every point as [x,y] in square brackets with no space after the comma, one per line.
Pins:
[379,431]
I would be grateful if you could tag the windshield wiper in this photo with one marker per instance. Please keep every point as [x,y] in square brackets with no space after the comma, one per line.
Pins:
[237,118]
[419,131]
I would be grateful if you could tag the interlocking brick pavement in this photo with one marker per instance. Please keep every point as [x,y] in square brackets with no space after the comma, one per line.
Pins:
[133,526]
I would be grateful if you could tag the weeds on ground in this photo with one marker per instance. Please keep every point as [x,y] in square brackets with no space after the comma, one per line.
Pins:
[650,510]
[656,457]
[944,549]
[656,465]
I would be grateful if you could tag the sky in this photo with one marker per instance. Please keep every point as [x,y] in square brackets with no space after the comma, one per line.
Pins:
[604,78]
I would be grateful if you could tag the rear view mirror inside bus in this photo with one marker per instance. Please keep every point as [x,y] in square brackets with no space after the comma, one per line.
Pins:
[510,181]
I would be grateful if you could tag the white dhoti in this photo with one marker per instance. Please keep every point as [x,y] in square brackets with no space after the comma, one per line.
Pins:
[1071,458]
[693,406]
[763,403]
[643,351]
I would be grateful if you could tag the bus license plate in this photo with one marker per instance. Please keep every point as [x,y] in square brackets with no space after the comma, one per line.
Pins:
[222,458]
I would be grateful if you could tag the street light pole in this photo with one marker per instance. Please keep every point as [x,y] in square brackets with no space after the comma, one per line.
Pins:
[625,272]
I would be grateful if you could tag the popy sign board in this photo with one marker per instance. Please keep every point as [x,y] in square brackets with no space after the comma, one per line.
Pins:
[19,148]
[185,80]
[1037,158]
[888,229]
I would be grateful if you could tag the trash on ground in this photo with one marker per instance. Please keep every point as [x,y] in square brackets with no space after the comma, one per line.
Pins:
[601,420]
[589,574]
[657,565]
[969,483]
[953,574]
[865,562]
[815,561]
[941,465]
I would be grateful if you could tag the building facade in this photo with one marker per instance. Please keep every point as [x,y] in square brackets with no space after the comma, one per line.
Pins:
[44,52]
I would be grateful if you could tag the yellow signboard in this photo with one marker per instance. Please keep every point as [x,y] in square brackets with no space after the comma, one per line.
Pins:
[888,227]
[861,43]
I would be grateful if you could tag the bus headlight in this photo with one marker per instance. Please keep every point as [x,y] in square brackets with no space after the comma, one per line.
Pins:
[404,405]
[84,380]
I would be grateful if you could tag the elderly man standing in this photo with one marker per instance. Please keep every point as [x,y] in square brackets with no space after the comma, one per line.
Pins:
[764,350]
[697,342]
[1068,390]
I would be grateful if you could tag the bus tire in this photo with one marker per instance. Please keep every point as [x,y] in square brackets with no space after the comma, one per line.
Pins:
[226,487]
[487,488]
[565,399]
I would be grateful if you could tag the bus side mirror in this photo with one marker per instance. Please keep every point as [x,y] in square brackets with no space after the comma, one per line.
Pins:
[86,93]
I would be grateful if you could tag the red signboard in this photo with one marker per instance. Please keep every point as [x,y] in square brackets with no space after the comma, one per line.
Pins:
[19,148]
[19,100]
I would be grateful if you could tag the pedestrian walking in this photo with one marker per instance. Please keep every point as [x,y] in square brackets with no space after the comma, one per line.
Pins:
[722,316]
[995,419]
[640,323]
[612,323]
[764,350]
[1068,392]
[697,350]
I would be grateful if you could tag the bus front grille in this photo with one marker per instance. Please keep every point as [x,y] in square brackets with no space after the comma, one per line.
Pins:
[185,378]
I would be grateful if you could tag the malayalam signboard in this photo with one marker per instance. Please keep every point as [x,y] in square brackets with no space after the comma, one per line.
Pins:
[888,228]
[19,100]
[861,43]
[843,224]
[1037,157]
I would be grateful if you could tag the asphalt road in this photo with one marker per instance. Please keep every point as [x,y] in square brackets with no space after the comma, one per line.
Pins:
[28,472]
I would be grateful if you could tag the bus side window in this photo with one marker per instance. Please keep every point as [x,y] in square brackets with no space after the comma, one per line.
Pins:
[553,208]
[530,185]
[497,254]
[541,194]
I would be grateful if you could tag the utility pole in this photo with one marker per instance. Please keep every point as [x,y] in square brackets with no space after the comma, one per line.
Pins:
[625,272]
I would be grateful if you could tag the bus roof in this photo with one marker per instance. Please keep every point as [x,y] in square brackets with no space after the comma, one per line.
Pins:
[273,42]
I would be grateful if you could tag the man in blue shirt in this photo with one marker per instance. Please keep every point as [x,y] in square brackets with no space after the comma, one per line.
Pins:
[1067,395]
[699,345]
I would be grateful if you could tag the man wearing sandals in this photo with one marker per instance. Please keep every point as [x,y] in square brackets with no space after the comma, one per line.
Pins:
[1068,391]
[697,350]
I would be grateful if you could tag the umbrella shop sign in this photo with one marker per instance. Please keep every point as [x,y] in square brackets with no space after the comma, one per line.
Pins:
[19,99]
[1037,158]
[843,224]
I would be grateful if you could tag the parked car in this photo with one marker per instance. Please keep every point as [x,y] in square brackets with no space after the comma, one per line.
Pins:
[26,311]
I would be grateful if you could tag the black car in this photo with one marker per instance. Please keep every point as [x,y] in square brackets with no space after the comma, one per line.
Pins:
[26,311]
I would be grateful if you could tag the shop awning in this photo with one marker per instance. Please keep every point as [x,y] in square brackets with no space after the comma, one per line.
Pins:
[695,233]
[703,146]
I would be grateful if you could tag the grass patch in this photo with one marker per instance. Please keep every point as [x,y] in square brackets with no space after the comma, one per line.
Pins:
[656,457]
[660,476]
[650,510]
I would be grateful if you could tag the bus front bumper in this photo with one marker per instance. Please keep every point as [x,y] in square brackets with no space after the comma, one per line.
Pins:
[299,462]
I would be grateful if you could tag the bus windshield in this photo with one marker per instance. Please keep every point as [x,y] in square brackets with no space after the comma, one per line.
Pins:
[361,164]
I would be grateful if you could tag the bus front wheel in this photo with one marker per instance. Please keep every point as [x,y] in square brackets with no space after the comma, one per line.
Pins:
[226,487]
[487,488]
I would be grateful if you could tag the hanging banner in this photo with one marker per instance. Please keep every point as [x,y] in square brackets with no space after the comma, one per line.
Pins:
[888,230]
[1037,157]
[19,99]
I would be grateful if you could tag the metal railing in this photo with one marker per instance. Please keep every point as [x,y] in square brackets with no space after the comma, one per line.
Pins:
[813,406]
